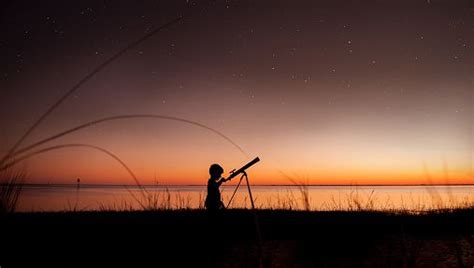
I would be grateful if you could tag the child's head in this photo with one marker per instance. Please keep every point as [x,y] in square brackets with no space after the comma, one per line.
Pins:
[216,171]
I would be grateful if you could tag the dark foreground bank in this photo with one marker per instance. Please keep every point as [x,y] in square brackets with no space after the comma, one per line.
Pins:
[194,239]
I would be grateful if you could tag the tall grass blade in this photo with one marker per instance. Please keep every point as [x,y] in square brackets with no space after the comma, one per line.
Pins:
[11,185]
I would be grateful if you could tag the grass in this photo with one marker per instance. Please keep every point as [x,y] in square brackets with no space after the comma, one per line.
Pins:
[304,192]
[154,201]
[11,185]
[298,198]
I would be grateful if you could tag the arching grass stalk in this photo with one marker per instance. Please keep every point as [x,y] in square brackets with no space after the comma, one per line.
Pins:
[121,117]
[73,145]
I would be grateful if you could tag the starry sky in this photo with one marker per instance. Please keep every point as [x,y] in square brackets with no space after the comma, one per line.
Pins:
[326,92]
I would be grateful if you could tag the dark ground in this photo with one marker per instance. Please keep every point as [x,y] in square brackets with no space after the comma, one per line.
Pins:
[192,239]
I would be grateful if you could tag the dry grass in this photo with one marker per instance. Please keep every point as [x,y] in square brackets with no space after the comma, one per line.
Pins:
[299,198]
[11,185]
[123,206]
[353,201]
[305,198]
[155,200]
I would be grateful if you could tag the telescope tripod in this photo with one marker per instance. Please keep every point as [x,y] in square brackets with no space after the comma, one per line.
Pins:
[244,175]
[257,225]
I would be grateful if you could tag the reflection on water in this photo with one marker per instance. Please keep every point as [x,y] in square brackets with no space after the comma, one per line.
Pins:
[60,198]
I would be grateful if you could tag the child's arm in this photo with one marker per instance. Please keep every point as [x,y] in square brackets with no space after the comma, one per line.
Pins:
[222,180]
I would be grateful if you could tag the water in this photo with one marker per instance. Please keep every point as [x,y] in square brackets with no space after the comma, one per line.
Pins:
[68,197]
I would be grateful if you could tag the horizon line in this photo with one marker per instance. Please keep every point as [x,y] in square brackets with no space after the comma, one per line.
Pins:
[174,185]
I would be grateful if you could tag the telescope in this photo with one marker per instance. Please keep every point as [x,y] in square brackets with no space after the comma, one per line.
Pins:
[242,169]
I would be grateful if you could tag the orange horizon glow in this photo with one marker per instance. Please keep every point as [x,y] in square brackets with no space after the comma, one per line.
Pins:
[94,168]
[180,154]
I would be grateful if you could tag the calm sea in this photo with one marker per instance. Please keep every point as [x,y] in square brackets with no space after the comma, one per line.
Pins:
[70,197]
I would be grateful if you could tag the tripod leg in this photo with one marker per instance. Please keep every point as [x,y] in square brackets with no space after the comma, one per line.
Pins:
[250,192]
[257,225]
[235,191]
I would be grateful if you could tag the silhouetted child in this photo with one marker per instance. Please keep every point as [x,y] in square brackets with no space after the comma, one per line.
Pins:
[213,199]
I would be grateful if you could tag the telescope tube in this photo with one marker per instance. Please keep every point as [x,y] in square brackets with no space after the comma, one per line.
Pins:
[242,169]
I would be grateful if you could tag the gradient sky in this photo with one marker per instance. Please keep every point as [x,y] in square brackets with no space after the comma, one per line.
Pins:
[328,92]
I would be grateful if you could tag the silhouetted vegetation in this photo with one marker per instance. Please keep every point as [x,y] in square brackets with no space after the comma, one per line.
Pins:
[11,184]
[181,237]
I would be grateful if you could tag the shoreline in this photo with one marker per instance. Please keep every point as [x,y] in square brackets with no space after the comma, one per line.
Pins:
[253,185]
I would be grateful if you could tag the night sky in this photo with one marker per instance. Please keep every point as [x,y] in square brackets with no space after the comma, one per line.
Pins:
[327,92]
